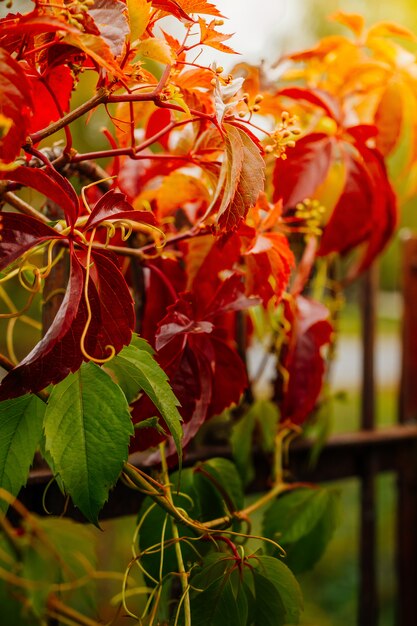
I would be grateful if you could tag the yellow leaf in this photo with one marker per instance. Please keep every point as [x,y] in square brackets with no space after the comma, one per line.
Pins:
[157,50]
[139,14]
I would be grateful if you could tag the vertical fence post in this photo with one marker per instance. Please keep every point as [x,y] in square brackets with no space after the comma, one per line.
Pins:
[407,474]
[368,597]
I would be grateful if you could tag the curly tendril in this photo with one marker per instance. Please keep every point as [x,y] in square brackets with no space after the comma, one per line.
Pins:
[93,184]
[89,312]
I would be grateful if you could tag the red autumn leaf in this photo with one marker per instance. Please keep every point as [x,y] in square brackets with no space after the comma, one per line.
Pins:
[306,167]
[51,95]
[14,26]
[158,121]
[15,107]
[366,211]
[266,252]
[114,310]
[241,178]
[268,256]
[173,7]
[303,359]
[192,349]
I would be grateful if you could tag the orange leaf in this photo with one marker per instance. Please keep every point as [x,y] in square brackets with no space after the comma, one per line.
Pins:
[200,6]
[389,118]
[353,21]
[180,190]
[211,37]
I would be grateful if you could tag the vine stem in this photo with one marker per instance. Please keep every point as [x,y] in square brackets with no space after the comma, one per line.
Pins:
[178,552]
[23,207]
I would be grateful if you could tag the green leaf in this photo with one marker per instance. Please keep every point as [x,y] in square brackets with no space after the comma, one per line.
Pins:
[136,370]
[269,608]
[87,431]
[276,590]
[20,433]
[303,522]
[222,474]
[241,441]
[222,601]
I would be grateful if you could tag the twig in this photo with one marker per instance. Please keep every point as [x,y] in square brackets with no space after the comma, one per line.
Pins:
[23,206]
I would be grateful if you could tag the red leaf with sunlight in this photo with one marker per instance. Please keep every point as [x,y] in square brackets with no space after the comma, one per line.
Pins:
[15,107]
[266,252]
[366,211]
[302,358]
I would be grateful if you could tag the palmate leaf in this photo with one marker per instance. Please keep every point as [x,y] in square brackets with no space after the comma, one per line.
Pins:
[20,433]
[241,179]
[136,370]
[257,590]
[87,431]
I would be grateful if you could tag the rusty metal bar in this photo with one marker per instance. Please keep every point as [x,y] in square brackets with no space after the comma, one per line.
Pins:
[407,475]
[368,591]
[342,457]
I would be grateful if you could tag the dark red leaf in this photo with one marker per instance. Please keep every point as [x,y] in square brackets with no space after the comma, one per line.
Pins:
[58,353]
[19,233]
[15,107]
[114,206]
[49,183]
[306,167]
[115,307]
